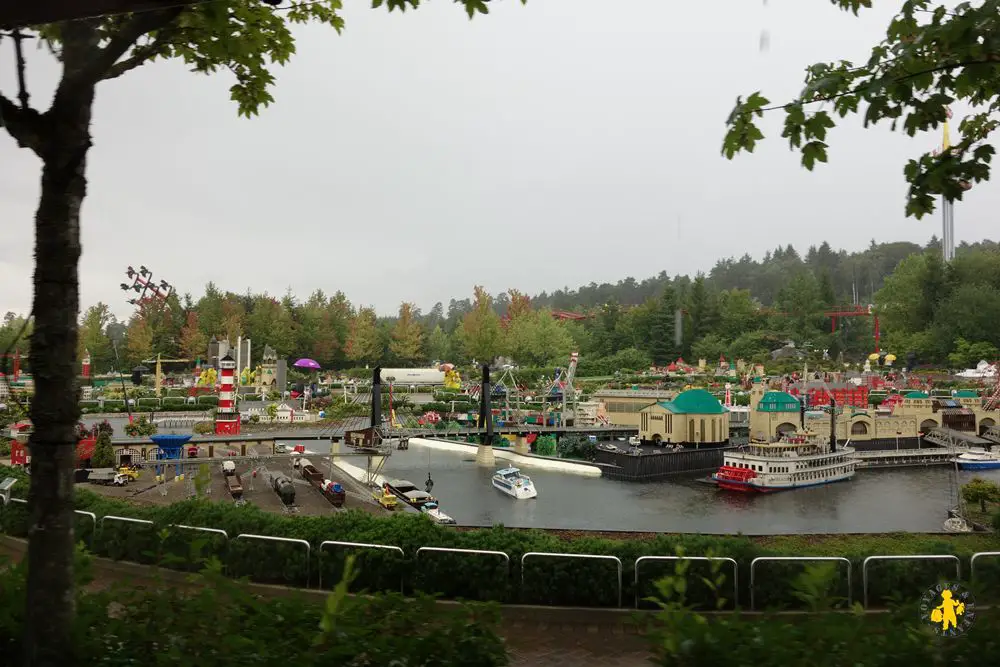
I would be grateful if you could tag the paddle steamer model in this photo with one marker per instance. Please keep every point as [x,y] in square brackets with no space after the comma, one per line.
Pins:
[797,460]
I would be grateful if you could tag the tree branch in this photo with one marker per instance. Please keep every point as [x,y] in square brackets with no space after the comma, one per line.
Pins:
[141,54]
[25,125]
[121,41]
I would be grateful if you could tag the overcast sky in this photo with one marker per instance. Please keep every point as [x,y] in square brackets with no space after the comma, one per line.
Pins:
[419,154]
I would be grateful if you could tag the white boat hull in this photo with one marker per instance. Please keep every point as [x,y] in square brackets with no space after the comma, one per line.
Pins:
[523,492]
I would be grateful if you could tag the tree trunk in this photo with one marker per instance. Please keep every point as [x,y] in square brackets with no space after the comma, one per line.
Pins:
[55,409]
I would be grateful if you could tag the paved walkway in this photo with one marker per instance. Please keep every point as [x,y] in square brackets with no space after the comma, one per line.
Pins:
[558,646]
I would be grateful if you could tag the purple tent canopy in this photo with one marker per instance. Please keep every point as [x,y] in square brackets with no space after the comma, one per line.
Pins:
[307,363]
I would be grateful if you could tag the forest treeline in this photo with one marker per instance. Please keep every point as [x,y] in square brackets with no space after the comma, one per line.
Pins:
[742,308]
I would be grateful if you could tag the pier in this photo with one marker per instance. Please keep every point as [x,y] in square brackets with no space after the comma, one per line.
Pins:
[908,457]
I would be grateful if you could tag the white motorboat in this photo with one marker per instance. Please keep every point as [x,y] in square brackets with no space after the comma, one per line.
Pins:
[514,484]
[432,510]
[978,459]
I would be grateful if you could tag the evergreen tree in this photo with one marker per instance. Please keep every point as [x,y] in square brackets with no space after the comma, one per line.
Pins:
[104,453]
[663,345]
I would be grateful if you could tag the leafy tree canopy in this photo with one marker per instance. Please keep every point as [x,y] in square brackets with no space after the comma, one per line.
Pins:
[932,56]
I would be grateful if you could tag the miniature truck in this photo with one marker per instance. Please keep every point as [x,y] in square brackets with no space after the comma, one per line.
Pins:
[283,486]
[235,486]
[107,477]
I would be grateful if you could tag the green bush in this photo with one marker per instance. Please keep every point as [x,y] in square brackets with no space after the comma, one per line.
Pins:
[546,580]
[683,637]
[208,400]
[218,621]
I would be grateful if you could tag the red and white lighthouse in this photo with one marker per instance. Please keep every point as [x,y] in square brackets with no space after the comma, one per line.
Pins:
[227,417]
[85,371]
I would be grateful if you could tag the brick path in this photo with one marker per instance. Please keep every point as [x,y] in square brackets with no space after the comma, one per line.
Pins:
[558,646]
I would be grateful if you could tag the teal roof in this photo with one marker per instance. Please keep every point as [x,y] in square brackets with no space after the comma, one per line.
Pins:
[694,402]
[917,394]
[778,401]
[966,393]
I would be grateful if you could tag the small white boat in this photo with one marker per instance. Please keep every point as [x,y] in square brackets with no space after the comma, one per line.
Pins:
[513,483]
[432,510]
[978,459]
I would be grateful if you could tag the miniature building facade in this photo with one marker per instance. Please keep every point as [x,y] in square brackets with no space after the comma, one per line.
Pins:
[694,417]
[622,406]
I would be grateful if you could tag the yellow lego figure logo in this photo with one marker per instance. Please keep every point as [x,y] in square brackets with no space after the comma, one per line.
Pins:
[949,609]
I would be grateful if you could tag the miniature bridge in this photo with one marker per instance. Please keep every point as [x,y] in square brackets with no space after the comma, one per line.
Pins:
[949,437]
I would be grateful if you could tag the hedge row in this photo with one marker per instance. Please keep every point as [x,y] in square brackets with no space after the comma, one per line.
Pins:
[546,580]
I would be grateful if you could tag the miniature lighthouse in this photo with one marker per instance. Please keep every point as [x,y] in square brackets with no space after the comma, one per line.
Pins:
[85,371]
[227,417]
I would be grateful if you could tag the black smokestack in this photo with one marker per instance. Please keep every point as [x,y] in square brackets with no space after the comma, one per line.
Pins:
[485,409]
[833,424]
[802,412]
[377,397]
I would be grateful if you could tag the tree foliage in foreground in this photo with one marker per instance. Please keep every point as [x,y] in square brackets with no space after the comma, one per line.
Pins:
[244,37]
[932,56]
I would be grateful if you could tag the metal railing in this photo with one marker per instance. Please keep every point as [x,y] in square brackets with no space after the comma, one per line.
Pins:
[123,519]
[93,521]
[775,559]
[975,557]
[89,515]
[360,545]
[867,561]
[540,554]
[286,540]
[703,559]
[98,527]
[476,552]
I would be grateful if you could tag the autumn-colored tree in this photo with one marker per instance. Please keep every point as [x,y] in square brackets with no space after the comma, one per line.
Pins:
[480,329]
[407,338]
[193,343]
[363,340]
[520,304]
[233,316]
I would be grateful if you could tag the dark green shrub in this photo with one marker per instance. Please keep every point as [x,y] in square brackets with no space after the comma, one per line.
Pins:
[219,620]
[546,579]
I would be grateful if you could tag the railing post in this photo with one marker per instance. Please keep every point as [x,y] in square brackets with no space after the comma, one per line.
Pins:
[481,552]
[287,540]
[976,556]
[93,520]
[360,545]
[539,554]
[837,559]
[864,567]
[722,559]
